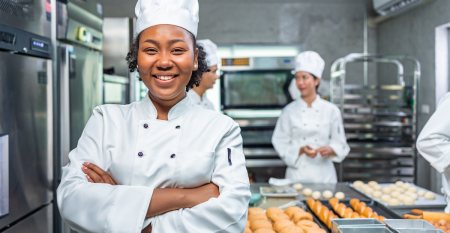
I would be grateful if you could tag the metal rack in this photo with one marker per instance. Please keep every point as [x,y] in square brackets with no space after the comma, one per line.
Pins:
[380,121]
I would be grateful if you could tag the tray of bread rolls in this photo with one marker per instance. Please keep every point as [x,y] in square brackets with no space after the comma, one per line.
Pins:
[400,195]
[325,211]
[292,219]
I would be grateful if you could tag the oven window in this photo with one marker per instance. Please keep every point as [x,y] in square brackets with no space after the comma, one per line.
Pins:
[255,89]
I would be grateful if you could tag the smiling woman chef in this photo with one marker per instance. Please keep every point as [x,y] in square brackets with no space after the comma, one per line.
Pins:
[170,166]
[309,135]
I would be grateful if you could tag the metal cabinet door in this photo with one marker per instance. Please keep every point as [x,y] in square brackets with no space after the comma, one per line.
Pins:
[26,117]
[39,222]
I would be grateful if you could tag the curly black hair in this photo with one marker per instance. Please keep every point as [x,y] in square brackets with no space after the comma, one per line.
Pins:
[196,76]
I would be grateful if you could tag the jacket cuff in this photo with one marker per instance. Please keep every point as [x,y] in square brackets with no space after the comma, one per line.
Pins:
[292,156]
[340,153]
[132,202]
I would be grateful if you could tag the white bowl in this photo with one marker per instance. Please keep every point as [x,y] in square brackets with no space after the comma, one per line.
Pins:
[279,184]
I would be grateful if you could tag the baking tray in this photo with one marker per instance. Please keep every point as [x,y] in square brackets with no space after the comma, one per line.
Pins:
[377,207]
[315,218]
[405,225]
[364,229]
[270,192]
[438,202]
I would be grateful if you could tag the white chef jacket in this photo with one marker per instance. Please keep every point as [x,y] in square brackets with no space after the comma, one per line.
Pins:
[320,125]
[433,143]
[141,153]
[200,101]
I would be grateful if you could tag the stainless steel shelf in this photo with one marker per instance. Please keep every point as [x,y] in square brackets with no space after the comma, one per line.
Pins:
[374,124]
[264,163]
[260,152]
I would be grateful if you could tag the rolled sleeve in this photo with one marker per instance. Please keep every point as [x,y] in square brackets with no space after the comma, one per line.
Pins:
[96,207]
[222,214]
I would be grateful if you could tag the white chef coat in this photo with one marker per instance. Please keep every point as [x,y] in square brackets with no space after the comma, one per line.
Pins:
[141,153]
[200,101]
[320,125]
[433,143]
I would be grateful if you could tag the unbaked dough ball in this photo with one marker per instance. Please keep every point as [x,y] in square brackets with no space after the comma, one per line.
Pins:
[339,195]
[408,193]
[364,186]
[400,190]
[298,186]
[368,191]
[385,198]
[392,186]
[358,184]
[327,194]
[377,194]
[393,202]
[406,186]
[377,187]
[421,193]
[372,183]
[412,189]
[408,201]
[395,194]
[399,183]
[316,195]
[414,196]
[429,196]
[386,190]
[401,197]
[307,192]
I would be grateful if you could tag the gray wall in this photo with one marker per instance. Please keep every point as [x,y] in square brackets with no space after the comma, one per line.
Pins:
[413,34]
[333,28]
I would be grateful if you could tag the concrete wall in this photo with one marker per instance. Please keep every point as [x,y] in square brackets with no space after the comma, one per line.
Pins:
[333,28]
[413,34]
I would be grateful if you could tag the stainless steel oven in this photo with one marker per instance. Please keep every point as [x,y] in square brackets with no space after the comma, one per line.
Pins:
[253,92]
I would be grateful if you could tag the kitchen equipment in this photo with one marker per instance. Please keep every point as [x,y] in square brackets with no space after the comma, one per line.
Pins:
[426,215]
[26,117]
[354,223]
[406,224]
[253,92]
[370,229]
[80,77]
[380,121]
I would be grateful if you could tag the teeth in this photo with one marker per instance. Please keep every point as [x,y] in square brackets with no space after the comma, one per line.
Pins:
[164,78]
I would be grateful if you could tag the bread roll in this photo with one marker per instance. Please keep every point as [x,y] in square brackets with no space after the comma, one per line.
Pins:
[393,202]
[400,190]
[279,225]
[414,196]
[372,183]
[339,195]
[399,183]
[248,224]
[255,217]
[358,184]
[408,201]
[401,197]
[247,230]
[327,194]
[316,195]
[386,190]
[307,223]
[369,191]
[377,194]
[354,202]
[385,198]
[272,210]
[292,229]
[392,186]
[406,186]
[264,230]
[377,188]
[395,194]
[334,202]
[412,189]
[278,216]
[298,186]
[298,216]
[317,230]
[258,224]
[255,210]
[307,192]
[421,193]
[290,211]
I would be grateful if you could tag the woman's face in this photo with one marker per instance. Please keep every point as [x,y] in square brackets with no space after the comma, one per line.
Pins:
[306,83]
[166,59]
[209,78]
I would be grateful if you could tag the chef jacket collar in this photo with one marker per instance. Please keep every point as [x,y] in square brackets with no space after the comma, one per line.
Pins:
[179,109]
[315,104]
[196,97]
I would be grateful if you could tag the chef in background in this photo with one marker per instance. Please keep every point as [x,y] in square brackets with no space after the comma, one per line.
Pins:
[433,143]
[197,94]
[309,135]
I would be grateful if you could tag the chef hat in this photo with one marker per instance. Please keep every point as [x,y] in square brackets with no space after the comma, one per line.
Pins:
[182,13]
[211,52]
[311,62]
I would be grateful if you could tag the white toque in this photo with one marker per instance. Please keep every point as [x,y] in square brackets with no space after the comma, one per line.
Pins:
[311,62]
[182,13]
[211,52]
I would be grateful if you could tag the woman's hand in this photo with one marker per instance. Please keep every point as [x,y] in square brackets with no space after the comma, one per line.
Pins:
[308,151]
[326,151]
[94,174]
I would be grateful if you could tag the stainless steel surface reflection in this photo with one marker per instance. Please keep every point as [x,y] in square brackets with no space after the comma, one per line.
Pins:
[40,222]
[26,116]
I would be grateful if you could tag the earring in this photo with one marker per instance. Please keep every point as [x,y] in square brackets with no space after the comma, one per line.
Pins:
[195,66]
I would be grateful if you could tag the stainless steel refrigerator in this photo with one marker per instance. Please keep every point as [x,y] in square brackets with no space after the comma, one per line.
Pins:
[26,117]
[79,71]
